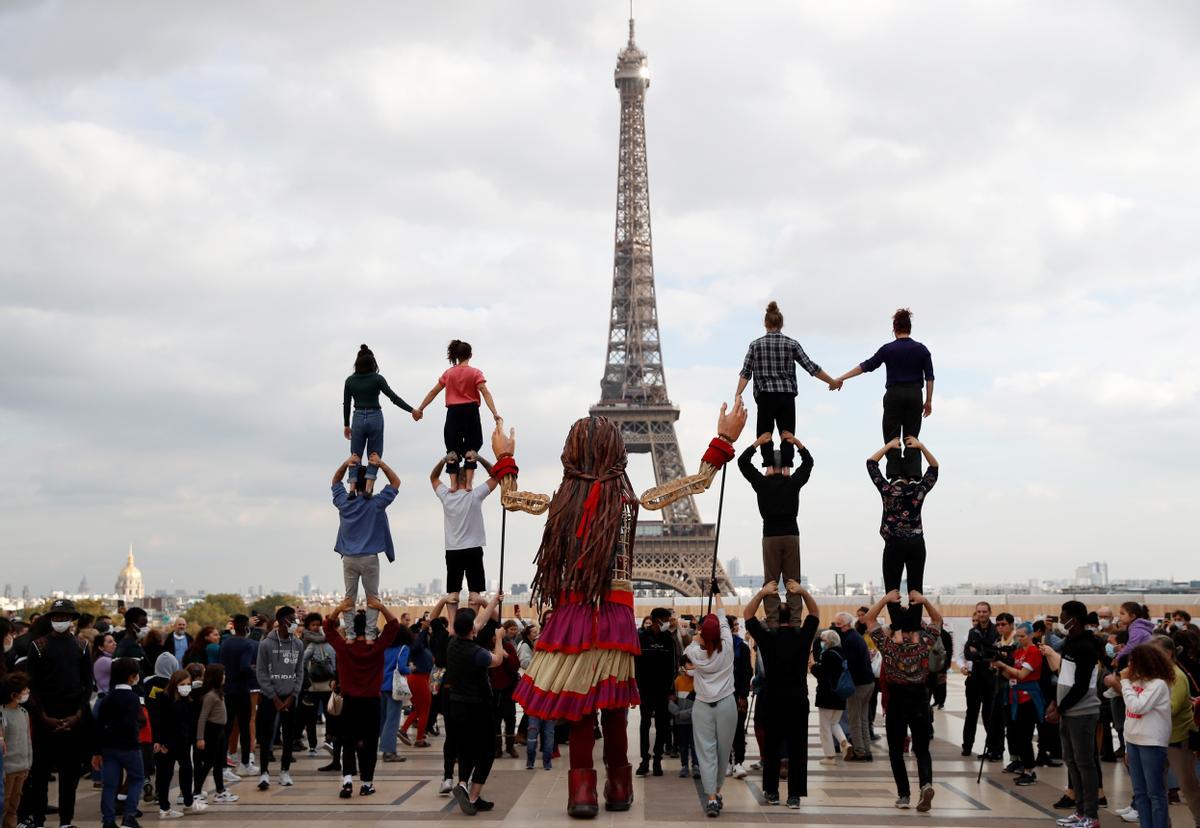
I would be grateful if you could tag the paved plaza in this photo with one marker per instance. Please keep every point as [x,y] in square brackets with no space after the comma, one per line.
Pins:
[854,794]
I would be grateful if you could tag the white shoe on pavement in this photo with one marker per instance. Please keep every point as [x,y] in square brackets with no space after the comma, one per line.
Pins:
[170,814]
[198,806]
[225,798]
[739,772]
[447,787]
[285,779]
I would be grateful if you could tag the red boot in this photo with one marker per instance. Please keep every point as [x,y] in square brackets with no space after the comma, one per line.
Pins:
[618,788]
[581,793]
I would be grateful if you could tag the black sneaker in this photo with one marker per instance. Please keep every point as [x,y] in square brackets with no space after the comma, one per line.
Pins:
[711,810]
[332,767]
[793,802]
[130,822]
[643,767]
[1014,767]
[1102,802]
[347,791]
[771,798]
[1065,803]
[1026,778]
[367,789]
[966,751]
[657,767]
[464,800]
[482,804]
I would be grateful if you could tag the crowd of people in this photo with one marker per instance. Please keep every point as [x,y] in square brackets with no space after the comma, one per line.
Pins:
[145,714]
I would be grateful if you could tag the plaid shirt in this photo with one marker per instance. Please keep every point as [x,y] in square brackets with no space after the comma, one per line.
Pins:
[771,360]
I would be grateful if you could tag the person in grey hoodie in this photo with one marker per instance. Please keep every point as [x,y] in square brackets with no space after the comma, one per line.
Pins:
[280,673]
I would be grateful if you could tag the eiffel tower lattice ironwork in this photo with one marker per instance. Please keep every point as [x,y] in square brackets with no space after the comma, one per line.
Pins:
[675,552]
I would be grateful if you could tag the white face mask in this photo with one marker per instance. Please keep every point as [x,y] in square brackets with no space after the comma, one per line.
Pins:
[60,626]
[142,633]
[185,690]
[196,685]
[292,627]
[23,698]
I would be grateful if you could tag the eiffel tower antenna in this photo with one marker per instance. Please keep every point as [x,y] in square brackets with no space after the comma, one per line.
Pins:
[677,551]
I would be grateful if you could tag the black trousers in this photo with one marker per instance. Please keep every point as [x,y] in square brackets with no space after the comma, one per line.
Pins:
[908,713]
[237,706]
[903,406]
[776,409]
[463,433]
[450,743]
[900,554]
[937,689]
[1049,741]
[739,737]
[264,726]
[506,711]
[164,770]
[997,734]
[474,725]
[359,730]
[787,723]
[62,754]
[311,707]
[1020,734]
[654,709]
[211,759]
[980,695]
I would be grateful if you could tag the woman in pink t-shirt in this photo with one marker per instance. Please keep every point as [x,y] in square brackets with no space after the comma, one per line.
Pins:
[464,385]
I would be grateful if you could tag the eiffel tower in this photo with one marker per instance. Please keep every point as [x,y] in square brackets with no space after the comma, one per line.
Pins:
[675,552]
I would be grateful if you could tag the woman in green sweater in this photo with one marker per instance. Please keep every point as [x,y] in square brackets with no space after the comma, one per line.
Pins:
[366,433]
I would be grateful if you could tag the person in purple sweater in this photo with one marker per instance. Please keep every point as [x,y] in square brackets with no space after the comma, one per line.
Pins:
[909,367]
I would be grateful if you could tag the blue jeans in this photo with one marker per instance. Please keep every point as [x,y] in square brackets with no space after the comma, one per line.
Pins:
[366,436]
[116,761]
[389,722]
[1147,768]
[546,728]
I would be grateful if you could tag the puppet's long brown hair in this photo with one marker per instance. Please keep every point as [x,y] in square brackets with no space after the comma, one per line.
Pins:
[594,451]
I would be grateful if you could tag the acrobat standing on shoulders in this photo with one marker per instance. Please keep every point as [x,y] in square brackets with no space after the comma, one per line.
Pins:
[365,432]
[771,363]
[465,387]
[462,514]
[909,367]
[583,662]
[363,532]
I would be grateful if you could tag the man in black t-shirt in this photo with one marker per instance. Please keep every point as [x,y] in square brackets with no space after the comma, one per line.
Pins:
[656,667]
[785,653]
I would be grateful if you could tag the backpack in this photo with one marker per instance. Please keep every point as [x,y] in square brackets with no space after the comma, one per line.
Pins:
[319,667]
[845,683]
[937,656]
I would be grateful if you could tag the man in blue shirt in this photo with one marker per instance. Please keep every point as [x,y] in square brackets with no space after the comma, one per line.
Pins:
[909,366]
[363,532]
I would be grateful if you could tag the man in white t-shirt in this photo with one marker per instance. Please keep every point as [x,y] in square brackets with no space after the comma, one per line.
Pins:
[462,511]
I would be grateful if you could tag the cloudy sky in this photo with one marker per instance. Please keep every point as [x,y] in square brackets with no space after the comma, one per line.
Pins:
[204,215]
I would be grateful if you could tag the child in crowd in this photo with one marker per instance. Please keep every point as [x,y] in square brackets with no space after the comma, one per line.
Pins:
[465,385]
[210,734]
[1146,687]
[15,742]
[365,433]
[679,705]
[173,746]
[119,721]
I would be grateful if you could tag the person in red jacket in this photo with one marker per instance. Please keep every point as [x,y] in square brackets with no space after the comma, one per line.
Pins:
[360,674]
[504,680]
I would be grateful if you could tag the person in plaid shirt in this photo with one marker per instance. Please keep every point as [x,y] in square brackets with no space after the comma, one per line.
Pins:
[771,363]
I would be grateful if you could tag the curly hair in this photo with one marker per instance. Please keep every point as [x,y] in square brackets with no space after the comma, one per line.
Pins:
[582,529]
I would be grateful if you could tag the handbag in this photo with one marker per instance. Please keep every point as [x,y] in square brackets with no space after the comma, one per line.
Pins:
[845,683]
[333,707]
[401,692]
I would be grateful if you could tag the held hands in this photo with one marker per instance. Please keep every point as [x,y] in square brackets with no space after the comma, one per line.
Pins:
[502,443]
[835,385]
[731,422]
[417,414]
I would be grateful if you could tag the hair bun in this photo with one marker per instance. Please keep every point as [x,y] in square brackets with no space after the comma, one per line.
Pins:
[364,348]
[772,307]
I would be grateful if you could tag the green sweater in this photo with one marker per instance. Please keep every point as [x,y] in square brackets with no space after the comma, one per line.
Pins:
[365,390]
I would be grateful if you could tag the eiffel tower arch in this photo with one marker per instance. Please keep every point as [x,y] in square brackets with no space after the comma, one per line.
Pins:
[675,552]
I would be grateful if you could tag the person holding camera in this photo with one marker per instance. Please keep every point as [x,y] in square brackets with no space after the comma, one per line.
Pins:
[980,676]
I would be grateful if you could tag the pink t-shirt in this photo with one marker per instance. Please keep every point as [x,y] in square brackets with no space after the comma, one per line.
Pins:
[462,384]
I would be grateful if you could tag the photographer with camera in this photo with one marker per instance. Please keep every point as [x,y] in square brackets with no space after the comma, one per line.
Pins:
[981,678]
[1001,652]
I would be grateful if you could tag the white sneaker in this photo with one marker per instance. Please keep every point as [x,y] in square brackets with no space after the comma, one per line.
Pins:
[244,770]
[740,772]
[1130,816]
[756,766]
[200,797]
[225,798]
[198,806]
[1122,811]
[729,770]
[264,781]
[230,777]
[447,787]
[171,814]
[285,779]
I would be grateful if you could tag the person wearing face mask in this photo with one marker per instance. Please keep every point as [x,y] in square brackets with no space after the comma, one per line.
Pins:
[106,645]
[60,678]
[129,642]
[1077,708]
[280,672]
[118,751]
[174,726]
[16,744]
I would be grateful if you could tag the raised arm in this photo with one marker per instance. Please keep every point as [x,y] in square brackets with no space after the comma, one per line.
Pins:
[872,617]
[894,443]
[435,476]
[438,608]
[795,588]
[935,617]
[752,608]
[746,463]
[930,460]
[392,477]
[485,615]
[487,467]
[487,398]
[341,472]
